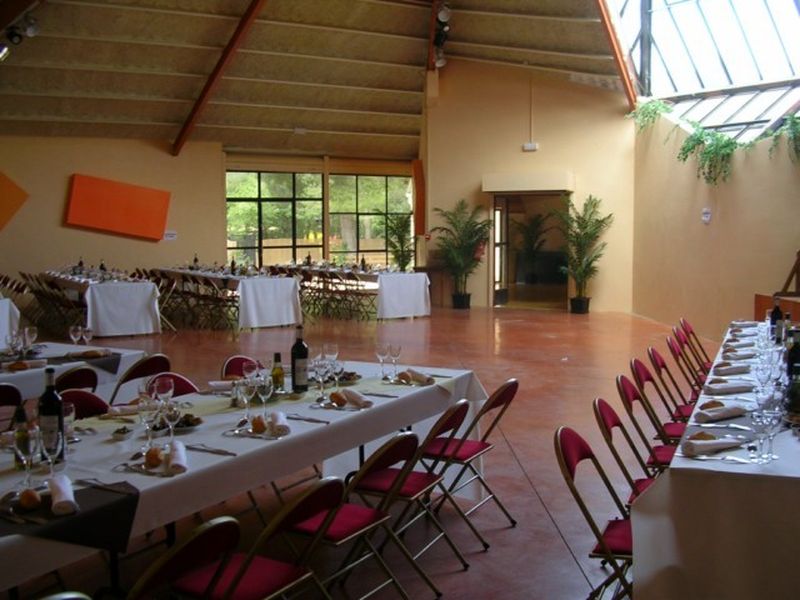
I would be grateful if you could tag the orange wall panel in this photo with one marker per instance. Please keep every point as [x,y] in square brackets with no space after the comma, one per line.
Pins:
[117,207]
[11,198]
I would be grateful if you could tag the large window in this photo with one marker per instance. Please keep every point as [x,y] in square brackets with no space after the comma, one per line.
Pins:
[358,205]
[274,218]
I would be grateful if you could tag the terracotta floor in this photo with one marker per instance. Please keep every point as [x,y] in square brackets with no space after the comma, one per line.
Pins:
[562,362]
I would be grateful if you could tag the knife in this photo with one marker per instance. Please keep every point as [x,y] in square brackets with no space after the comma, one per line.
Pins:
[380,395]
[723,426]
[217,451]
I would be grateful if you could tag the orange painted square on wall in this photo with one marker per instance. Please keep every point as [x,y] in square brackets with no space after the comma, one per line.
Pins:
[116,207]
[12,197]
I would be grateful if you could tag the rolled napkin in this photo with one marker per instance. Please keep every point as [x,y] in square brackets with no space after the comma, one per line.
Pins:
[224,385]
[737,345]
[744,324]
[733,355]
[413,376]
[356,398]
[720,387]
[120,411]
[63,498]
[742,333]
[96,353]
[277,425]
[706,443]
[177,462]
[24,365]
[725,368]
[708,412]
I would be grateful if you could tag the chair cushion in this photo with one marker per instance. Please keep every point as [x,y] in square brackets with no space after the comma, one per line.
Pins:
[674,430]
[349,520]
[440,448]
[694,395]
[618,537]
[640,485]
[264,576]
[381,481]
[662,456]
[683,412]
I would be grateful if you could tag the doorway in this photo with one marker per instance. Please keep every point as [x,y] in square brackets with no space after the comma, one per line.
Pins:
[528,252]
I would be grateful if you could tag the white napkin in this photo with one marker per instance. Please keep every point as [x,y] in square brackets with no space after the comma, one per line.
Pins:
[726,368]
[120,411]
[277,425]
[734,356]
[221,385]
[356,398]
[744,324]
[63,498]
[420,377]
[177,462]
[728,411]
[726,389]
[737,345]
[697,447]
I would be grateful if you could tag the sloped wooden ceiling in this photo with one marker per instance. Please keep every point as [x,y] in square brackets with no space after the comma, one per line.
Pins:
[323,77]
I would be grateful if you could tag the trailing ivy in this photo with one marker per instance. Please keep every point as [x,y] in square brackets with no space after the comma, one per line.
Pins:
[791,131]
[713,151]
[647,113]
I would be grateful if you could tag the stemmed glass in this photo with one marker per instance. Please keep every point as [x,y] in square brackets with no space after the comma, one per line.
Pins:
[337,368]
[26,445]
[14,342]
[172,414]
[330,351]
[52,442]
[394,354]
[149,413]
[773,419]
[382,353]
[249,369]
[69,423]
[759,428]
[31,333]
[87,335]
[321,369]
[264,391]
[75,333]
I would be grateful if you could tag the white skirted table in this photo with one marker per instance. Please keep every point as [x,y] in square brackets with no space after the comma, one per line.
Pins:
[403,295]
[269,302]
[123,308]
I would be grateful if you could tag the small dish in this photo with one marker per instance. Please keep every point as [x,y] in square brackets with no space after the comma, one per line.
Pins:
[122,434]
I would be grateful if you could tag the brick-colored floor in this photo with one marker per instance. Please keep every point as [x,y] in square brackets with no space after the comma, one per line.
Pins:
[562,362]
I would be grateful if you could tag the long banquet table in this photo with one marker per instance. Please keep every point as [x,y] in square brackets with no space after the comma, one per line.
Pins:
[212,478]
[720,530]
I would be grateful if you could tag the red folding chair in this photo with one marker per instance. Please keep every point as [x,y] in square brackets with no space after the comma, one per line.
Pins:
[668,382]
[209,545]
[694,341]
[356,524]
[644,379]
[234,365]
[700,365]
[181,385]
[77,378]
[463,452]
[668,432]
[144,367]
[659,455]
[615,540]
[252,575]
[10,395]
[608,420]
[86,403]
[690,374]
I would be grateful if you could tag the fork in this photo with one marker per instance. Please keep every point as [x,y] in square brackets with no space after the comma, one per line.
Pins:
[727,458]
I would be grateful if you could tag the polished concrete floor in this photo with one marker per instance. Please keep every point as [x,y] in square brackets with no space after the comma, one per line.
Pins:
[562,362]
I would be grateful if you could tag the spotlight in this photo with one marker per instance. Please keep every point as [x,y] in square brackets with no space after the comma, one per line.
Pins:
[439,59]
[4,52]
[14,35]
[440,38]
[31,27]
[444,13]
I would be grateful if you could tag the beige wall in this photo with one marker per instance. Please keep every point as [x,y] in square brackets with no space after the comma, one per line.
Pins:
[36,238]
[709,273]
[478,125]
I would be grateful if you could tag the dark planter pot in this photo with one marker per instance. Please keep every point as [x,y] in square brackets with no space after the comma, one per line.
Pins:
[579,306]
[461,300]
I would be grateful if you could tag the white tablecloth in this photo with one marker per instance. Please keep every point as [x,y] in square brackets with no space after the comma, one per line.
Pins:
[9,319]
[123,308]
[403,295]
[213,478]
[269,302]
[714,529]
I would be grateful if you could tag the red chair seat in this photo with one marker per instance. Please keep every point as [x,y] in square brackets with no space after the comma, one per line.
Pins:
[662,456]
[349,520]
[640,485]
[674,430]
[265,576]
[618,537]
[440,448]
[684,411]
[381,482]
[694,395]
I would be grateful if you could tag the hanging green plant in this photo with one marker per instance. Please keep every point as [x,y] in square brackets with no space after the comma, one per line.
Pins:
[713,151]
[647,113]
[791,131]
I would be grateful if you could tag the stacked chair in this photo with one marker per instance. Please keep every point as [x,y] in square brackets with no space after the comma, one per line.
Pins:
[649,454]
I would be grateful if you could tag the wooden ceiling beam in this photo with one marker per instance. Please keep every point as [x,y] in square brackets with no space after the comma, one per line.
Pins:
[11,10]
[619,56]
[431,62]
[236,40]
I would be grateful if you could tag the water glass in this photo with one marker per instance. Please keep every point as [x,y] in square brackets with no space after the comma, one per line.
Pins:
[249,369]
[75,333]
[52,443]
[172,414]
[149,413]
[26,445]
[31,333]
[382,353]
[394,354]
[264,391]
[330,351]
[87,335]
[69,422]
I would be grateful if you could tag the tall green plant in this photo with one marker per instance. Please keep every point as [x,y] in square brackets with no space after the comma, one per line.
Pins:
[713,151]
[462,241]
[398,239]
[582,230]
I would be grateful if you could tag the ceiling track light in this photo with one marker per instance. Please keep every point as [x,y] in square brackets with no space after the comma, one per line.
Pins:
[4,52]
[444,13]
[14,35]
[30,26]
[439,58]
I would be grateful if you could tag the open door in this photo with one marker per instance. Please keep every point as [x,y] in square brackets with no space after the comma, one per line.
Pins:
[500,242]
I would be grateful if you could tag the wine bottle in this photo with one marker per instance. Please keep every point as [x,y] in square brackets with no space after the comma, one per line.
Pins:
[299,362]
[196,262]
[793,355]
[102,265]
[363,263]
[20,421]
[776,316]
[277,373]
[793,394]
[51,409]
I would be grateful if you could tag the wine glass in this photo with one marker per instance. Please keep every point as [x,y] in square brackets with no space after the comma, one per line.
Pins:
[394,354]
[382,352]
[249,369]
[26,445]
[164,387]
[773,420]
[69,423]
[171,411]
[246,389]
[14,342]
[330,351]
[75,333]
[337,368]
[87,335]
[31,333]
[52,442]
[149,412]
[264,390]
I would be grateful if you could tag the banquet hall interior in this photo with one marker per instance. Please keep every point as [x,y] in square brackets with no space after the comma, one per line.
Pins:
[196,178]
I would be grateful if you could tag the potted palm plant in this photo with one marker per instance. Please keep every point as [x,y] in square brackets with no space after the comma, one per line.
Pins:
[461,244]
[582,230]
[398,239]
[532,231]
